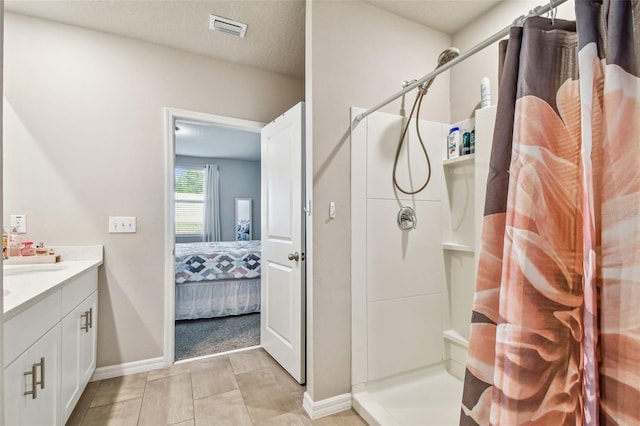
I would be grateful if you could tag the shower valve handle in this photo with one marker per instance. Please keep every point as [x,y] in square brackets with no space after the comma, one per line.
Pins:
[407,219]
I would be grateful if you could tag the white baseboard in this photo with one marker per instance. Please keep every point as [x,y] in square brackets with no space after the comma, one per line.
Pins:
[127,368]
[325,407]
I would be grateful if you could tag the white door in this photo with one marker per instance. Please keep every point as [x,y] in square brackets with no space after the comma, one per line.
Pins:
[283,245]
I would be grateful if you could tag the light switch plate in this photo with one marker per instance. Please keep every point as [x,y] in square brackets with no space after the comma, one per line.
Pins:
[19,222]
[122,224]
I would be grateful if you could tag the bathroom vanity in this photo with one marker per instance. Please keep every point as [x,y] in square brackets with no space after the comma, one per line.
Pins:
[50,323]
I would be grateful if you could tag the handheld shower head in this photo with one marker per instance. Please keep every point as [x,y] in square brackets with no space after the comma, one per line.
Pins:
[446,56]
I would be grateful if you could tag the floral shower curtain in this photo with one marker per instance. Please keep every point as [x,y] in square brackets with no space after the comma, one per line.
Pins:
[555,333]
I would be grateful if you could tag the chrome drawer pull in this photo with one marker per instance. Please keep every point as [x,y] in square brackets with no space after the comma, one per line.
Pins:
[90,318]
[34,385]
[85,327]
[41,382]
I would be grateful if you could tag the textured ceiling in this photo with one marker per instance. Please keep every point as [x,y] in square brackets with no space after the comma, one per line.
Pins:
[206,140]
[274,40]
[275,36]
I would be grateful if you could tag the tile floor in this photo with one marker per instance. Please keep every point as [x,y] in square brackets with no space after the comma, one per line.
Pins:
[242,388]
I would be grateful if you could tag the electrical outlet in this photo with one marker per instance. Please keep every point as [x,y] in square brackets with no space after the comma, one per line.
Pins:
[122,224]
[19,222]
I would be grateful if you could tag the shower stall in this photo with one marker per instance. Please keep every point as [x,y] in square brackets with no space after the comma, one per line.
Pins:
[412,289]
[415,252]
[550,328]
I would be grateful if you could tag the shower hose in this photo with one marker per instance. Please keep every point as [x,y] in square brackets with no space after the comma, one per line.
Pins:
[416,108]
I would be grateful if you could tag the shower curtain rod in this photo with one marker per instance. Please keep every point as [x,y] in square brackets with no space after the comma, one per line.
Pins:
[537,11]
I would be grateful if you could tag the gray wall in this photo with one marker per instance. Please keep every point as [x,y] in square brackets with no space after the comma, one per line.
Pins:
[357,55]
[238,179]
[84,139]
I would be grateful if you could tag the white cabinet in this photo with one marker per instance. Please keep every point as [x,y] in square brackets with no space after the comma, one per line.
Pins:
[78,352]
[52,346]
[32,382]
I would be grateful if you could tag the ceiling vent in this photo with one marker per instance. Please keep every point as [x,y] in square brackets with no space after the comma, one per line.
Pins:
[218,23]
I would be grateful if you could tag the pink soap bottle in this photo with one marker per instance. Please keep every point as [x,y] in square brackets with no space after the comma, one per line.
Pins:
[27,250]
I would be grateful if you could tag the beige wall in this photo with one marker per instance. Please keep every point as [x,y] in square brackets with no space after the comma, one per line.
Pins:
[465,77]
[84,140]
[358,56]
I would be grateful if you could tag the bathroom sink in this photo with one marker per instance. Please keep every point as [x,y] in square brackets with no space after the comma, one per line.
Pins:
[32,269]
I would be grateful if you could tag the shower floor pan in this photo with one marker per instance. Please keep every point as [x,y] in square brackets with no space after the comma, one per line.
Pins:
[426,397]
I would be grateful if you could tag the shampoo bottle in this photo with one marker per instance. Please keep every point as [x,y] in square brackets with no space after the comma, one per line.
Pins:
[485,93]
[453,143]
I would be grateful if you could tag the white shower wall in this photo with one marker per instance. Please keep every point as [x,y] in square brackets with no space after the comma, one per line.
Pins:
[412,291]
[398,277]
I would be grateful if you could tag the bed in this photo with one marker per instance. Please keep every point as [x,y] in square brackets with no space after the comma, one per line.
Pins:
[217,279]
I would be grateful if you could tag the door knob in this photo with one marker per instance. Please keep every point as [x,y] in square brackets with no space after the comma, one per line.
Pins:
[294,256]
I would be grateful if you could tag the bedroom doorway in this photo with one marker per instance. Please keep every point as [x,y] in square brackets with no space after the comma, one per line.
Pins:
[283,221]
[216,211]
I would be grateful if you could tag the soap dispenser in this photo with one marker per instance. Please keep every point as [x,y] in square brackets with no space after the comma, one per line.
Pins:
[27,250]
[14,243]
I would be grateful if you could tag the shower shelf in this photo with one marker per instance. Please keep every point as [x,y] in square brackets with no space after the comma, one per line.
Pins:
[464,159]
[455,337]
[457,247]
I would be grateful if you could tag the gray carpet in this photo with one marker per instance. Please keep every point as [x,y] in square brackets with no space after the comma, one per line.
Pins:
[214,335]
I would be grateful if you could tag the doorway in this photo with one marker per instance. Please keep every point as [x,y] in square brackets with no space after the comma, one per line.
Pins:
[254,279]
[213,168]
[217,231]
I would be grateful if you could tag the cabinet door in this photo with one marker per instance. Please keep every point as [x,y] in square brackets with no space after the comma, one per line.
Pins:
[72,343]
[43,359]
[46,410]
[15,384]
[89,343]
[78,352]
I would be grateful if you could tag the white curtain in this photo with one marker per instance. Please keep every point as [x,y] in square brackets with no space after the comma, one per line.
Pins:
[211,203]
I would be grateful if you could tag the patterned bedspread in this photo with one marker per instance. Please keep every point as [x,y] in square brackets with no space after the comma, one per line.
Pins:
[221,260]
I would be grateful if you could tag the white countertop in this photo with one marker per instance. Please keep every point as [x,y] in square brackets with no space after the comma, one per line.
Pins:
[28,284]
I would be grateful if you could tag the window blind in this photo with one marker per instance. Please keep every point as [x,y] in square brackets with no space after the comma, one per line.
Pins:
[189,199]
